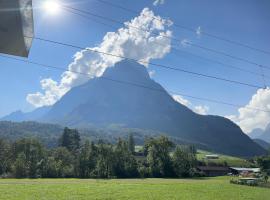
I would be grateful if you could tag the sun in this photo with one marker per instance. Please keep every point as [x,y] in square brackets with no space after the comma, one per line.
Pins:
[52,7]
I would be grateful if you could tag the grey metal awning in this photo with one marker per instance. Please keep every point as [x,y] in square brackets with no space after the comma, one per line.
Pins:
[16,27]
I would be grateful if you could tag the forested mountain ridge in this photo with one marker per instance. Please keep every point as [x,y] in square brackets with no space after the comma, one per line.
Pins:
[261,134]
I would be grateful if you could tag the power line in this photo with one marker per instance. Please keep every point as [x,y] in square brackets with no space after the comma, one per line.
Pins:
[176,49]
[150,63]
[191,29]
[136,84]
[169,37]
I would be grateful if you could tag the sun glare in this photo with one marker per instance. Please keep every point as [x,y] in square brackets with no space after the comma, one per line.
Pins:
[52,7]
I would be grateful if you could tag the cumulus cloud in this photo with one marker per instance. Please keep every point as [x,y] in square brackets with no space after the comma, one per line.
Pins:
[127,42]
[199,31]
[181,100]
[199,109]
[158,2]
[249,119]
[202,110]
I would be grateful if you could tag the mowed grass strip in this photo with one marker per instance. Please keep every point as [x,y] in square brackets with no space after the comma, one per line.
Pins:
[186,189]
[230,160]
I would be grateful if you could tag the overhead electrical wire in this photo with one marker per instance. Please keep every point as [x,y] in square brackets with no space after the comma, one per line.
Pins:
[136,84]
[191,29]
[149,63]
[176,39]
[169,37]
[177,49]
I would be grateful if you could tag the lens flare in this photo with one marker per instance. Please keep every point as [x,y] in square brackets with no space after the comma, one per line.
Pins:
[52,7]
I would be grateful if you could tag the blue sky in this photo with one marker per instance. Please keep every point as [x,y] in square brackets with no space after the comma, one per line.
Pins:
[245,21]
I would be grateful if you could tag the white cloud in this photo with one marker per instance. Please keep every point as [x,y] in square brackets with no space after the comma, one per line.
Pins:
[202,110]
[126,42]
[199,109]
[185,42]
[249,119]
[181,100]
[152,73]
[158,2]
[199,31]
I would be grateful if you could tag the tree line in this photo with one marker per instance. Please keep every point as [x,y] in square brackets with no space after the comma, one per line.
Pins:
[28,158]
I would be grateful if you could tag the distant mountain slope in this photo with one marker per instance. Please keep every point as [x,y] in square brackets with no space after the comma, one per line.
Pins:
[262,143]
[48,133]
[101,102]
[19,116]
[261,134]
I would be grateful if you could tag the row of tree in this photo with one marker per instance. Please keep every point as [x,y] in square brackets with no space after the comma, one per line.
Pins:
[29,158]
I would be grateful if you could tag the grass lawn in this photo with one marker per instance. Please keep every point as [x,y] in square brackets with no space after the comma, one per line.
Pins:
[231,161]
[186,189]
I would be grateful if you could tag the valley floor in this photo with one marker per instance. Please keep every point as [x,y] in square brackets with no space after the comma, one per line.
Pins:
[158,189]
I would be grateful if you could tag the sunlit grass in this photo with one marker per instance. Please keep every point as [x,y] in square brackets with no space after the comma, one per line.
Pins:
[230,160]
[186,189]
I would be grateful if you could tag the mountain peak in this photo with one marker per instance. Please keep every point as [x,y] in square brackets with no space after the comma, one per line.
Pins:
[127,70]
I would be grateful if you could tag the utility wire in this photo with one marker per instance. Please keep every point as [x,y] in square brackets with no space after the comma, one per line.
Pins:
[135,84]
[191,29]
[150,63]
[169,37]
[175,48]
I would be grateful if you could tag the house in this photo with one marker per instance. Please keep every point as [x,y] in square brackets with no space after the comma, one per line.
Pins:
[16,27]
[241,170]
[214,170]
[212,156]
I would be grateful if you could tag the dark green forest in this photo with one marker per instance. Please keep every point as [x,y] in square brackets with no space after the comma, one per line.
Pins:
[72,157]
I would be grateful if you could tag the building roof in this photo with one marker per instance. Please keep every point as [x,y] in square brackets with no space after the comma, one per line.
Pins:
[212,156]
[16,27]
[213,168]
[242,169]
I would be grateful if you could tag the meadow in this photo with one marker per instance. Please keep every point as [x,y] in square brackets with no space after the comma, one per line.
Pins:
[230,160]
[158,189]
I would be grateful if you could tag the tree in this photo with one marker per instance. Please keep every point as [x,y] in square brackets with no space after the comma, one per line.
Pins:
[264,164]
[105,160]
[125,164]
[184,161]
[64,162]
[20,168]
[87,162]
[158,157]
[51,168]
[31,153]
[5,156]
[131,143]
[70,139]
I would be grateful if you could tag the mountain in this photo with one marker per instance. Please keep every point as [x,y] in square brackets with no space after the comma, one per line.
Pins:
[256,133]
[262,143]
[261,134]
[116,98]
[47,133]
[19,116]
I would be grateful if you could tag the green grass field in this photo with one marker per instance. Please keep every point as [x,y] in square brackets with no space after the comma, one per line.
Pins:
[231,161]
[186,189]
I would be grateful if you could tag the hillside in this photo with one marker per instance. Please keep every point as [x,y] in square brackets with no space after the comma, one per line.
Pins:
[230,160]
[50,133]
[262,143]
[261,134]
[47,133]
